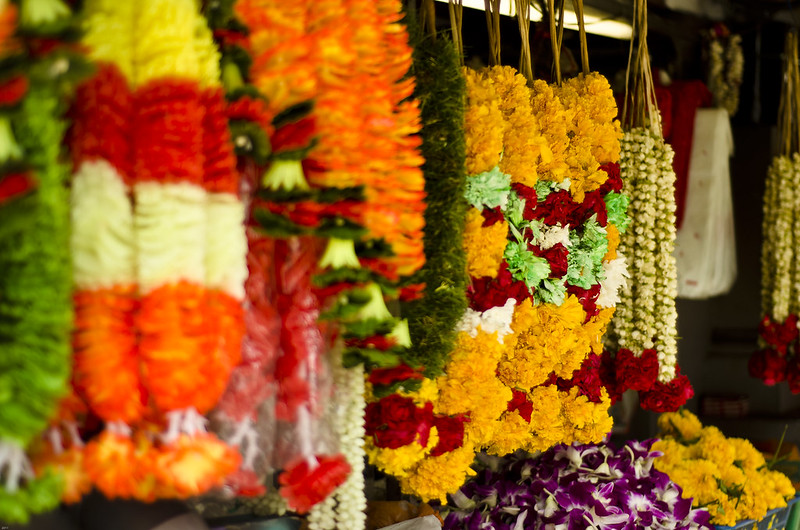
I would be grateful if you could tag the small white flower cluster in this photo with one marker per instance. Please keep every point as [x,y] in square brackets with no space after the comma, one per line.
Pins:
[725,69]
[271,503]
[780,278]
[494,320]
[344,508]
[645,317]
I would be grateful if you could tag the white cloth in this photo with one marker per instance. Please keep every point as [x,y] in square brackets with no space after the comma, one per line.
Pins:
[705,248]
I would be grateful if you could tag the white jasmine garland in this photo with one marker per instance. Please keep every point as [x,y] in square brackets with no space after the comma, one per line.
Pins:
[725,68]
[344,508]
[645,317]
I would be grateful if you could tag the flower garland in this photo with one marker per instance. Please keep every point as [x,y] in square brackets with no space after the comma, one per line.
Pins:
[642,340]
[646,320]
[777,359]
[727,476]
[575,486]
[542,240]
[433,317]
[35,287]
[159,288]
[725,67]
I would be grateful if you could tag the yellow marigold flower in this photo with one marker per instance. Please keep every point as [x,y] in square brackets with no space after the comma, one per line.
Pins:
[681,424]
[552,120]
[714,446]
[513,432]
[437,476]
[596,328]
[548,424]
[590,421]
[749,457]
[470,385]
[109,34]
[484,125]
[484,245]
[401,461]
[613,242]
[549,339]
[428,392]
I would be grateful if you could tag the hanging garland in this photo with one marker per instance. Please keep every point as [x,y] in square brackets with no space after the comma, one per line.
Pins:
[777,360]
[725,67]
[40,68]
[522,375]
[642,340]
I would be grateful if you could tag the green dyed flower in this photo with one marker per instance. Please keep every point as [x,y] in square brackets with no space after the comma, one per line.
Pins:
[489,189]
[524,265]
[617,206]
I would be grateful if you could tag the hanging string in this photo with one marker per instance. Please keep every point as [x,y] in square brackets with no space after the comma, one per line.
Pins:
[524,21]
[493,24]
[578,7]
[456,8]
[789,124]
[554,42]
[428,19]
[640,108]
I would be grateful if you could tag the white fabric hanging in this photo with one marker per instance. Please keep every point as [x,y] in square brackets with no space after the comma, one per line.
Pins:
[705,248]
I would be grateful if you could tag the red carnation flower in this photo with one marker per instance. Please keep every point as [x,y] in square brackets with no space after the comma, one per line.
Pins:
[587,298]
[492,216]
[304,484]
[485,292]
[667,397]
[14,185]
[451,433]
[587,379]
[394,421]
[558,207]
[769,366]
[529,194]
[614,182]
[556,256]
[637,373]
[592,204]
[608,376]
[387,376]
[779,335]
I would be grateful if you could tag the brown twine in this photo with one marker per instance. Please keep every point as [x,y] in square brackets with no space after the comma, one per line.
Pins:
[788,120]
[524,21]
[578,7]
[555,42]
[640,108]
[428,18]
[493,24]
[456,8]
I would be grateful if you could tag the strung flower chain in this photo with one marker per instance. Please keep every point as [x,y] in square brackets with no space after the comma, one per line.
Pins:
[725,68]
[646,316]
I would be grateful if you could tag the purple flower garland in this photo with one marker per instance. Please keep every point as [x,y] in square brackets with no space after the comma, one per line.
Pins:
[575,487]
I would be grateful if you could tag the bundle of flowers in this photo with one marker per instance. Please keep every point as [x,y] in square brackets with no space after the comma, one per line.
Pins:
[158,249]
[642,339]
[576,487]
[725,67]
[643,335]
[777,360]
[39,70]
[540,242]
[727,476]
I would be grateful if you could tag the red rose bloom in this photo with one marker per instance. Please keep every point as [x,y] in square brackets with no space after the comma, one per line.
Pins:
[614,182]
[768,365]
[394,421]
[519,402]
[303,484]
[387,376]
[556,256]
[667,397]
[451,433]
[637,373]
